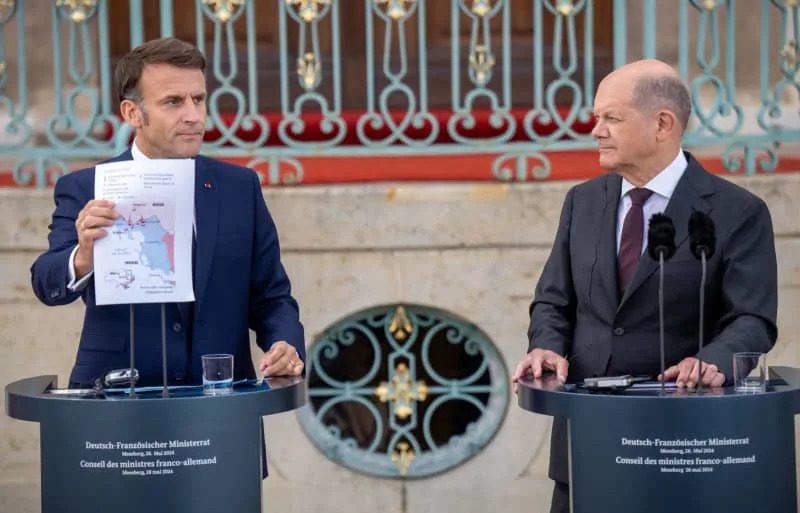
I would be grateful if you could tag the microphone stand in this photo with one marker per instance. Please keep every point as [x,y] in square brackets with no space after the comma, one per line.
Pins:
[702,316]
[132,393]
[661,313]
[165,391]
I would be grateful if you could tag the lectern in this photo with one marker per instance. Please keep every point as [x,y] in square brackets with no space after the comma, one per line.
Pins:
[639,450]
[148,453]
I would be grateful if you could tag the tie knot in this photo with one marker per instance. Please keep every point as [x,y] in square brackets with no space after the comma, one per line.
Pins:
[639,195]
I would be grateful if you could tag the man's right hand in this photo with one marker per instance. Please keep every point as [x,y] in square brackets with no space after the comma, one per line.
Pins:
[91,220]
[539,360]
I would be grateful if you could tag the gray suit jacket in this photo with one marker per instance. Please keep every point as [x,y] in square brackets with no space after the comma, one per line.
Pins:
[577,310]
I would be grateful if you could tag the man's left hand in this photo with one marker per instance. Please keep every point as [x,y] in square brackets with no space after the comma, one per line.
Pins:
[281,360]
[685,373]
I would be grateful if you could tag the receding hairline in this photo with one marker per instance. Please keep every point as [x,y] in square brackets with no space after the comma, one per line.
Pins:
[653,92]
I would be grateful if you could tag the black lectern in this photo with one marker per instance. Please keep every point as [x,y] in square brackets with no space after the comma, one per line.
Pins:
[121,454]
[637,450]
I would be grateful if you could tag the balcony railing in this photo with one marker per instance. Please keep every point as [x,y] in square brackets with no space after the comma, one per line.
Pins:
[511,81]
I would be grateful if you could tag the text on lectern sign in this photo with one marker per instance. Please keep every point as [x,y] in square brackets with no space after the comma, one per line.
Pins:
[146,458]
[686,455]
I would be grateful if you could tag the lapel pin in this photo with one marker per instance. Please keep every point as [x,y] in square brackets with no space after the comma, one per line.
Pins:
[207,185]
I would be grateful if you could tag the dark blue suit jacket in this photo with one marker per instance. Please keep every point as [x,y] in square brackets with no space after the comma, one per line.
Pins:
[239,284]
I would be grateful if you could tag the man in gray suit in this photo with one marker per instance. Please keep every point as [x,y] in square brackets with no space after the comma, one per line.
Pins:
[595,309]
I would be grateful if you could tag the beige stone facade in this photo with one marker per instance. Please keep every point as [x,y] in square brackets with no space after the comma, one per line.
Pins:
[473,249]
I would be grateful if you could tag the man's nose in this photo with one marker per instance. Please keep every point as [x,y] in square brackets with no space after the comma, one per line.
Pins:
[193,113]
[599,130]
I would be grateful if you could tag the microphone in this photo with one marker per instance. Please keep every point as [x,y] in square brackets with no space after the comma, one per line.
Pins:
[661,247]
[661,237]
[702,242]
[702,238]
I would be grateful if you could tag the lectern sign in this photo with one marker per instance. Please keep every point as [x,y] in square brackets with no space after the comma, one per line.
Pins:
[151,456]
[637,450]
[147,458]
[645,451]
[684,455]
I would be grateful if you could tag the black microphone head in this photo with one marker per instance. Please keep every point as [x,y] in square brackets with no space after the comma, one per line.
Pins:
[661,237]
[702,236]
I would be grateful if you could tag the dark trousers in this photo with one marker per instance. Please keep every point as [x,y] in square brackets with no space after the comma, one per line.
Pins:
[560,503]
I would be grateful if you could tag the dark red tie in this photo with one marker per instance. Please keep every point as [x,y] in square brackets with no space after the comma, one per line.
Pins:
[630,245]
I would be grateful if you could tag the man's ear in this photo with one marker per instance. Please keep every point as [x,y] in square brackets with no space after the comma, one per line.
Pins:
[667,124]
[131,113]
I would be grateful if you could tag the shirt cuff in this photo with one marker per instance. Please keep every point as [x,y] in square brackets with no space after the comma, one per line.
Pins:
[74,285]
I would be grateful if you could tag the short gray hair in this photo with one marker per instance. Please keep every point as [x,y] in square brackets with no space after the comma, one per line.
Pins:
[653,93]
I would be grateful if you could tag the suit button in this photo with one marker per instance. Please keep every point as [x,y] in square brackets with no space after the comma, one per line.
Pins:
[619,331]
[177,327]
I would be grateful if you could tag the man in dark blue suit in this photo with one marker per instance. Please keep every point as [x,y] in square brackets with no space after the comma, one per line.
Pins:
[239,281]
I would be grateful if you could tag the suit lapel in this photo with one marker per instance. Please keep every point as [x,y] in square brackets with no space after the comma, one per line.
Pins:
[607,240]
[125,155]
[206,206]
[688,196]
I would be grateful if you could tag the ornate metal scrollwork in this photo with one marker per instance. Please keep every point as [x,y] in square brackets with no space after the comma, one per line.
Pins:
[7,9]
[403,390]
[410,121]
[521,167]
[224,10]
[565,7]
[78,11]
[397,9]
[309,10]
[789,54]
[481,7]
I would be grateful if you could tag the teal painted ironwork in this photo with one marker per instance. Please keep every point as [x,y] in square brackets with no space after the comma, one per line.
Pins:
[649,29]
[245,114]
[309,75]
[621,32]
[724,103]
[166,18]
[379,118]
[397,372]
[789,64]
[396,117]
[17,132]
[481,64]
[545,110]
[136,22]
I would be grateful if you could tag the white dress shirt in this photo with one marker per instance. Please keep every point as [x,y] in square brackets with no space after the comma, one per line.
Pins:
[662,185]
[74,285]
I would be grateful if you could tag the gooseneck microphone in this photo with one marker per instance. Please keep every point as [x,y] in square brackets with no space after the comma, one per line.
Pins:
[702,242]
[661,247]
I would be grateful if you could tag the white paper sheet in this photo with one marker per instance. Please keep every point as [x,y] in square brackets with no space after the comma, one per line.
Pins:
[147,255]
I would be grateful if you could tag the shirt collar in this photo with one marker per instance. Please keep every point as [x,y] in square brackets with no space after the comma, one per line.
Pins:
[136,153]
[663,183]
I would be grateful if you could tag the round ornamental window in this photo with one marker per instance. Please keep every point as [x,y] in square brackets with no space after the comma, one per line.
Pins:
[403,391]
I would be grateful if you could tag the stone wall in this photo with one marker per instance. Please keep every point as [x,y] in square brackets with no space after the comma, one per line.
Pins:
[473,249]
